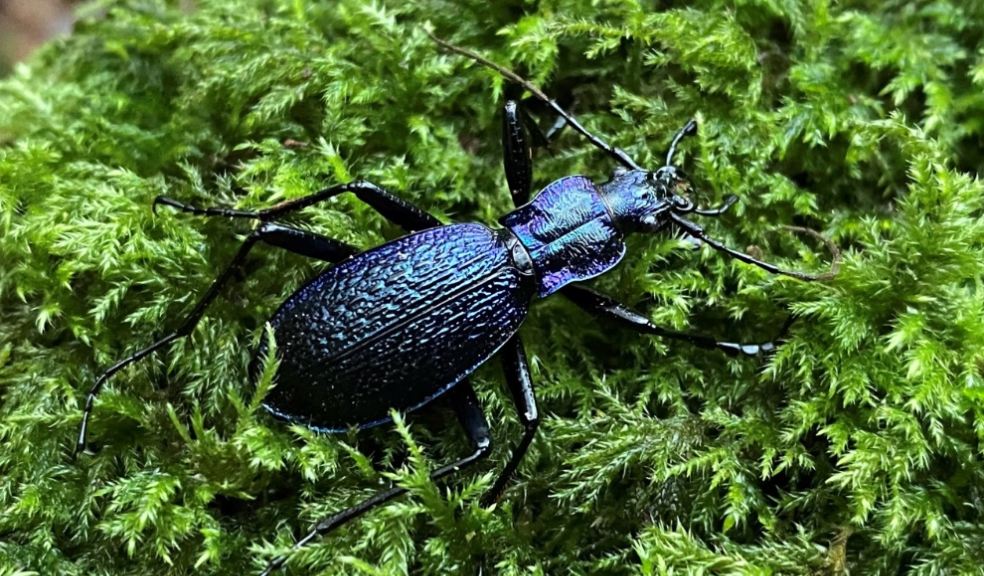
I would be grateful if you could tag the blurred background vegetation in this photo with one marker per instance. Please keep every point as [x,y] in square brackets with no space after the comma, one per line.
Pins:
[26,24]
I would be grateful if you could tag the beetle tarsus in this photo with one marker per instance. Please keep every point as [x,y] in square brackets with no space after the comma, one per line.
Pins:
[602,305]
[274,565]
[278,235]
[388,205]
[835,254]
[208,211]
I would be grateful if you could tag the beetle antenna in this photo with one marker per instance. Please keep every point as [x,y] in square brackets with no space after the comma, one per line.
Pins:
[689,129]
[617,153]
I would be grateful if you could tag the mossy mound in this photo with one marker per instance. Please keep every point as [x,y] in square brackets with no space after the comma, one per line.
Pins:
[857,447]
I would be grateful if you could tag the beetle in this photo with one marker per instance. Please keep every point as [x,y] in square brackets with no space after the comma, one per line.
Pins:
[397,326]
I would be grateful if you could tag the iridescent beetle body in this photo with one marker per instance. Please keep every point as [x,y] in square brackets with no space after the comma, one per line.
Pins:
[397,326]
[401,324]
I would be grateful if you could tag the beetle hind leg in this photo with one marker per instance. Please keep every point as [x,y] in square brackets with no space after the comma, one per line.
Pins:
[286,237]
[472,419]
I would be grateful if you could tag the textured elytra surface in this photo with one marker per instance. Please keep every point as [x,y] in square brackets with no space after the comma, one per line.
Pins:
[568,233]
[394,327]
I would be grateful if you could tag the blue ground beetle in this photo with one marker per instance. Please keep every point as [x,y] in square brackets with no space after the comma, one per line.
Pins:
[401,324]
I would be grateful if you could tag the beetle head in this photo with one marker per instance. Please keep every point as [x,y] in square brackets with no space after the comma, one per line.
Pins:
[641,200]
[672,184]
[645,200]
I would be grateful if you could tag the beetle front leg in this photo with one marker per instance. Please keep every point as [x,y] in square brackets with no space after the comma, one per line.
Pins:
[602,305]
[389,206]
[519,135]
[521,387]
[472,419]
[286,237]
[517,154]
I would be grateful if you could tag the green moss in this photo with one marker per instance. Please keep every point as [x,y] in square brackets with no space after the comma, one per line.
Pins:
[856,447]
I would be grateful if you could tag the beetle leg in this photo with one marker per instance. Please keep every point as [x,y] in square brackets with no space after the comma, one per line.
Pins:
[552,132]
[520,134]
[541,138]
[521,387]
[393,208]
[472,419]
[286,237]
[602,305]
[517,154]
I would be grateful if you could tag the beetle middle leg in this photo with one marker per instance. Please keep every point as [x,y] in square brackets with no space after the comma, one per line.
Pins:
[602,305]
[292,239]
[472,419]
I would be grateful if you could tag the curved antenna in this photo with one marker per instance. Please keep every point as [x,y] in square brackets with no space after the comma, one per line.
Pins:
[728,203]
[618,154]
[689,129]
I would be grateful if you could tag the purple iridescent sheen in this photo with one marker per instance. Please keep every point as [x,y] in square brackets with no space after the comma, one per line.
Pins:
[399,325]
[569,233]
[395,327]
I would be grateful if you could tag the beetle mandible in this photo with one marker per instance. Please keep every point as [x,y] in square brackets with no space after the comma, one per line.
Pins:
[399,325]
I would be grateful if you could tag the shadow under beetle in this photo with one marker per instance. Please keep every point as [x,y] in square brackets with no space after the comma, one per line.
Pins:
[401,324]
